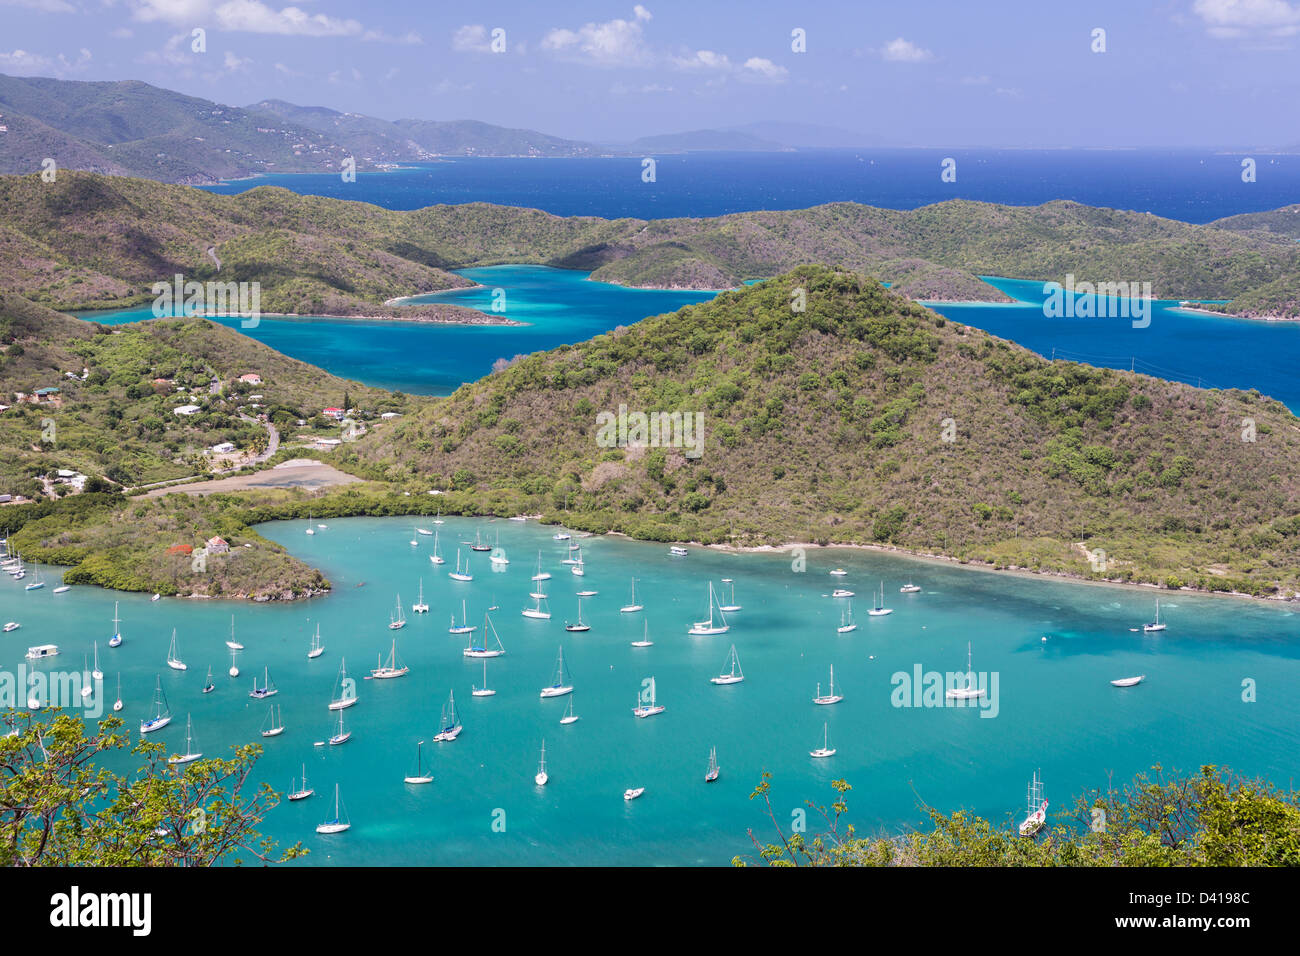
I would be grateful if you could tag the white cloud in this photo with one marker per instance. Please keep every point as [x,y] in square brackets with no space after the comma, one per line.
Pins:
[703,60]
[44,6]
[233,63]
[757,67]
[613,43]
[471,38]
[24,63]
[254,16]
[1229,19]
[904,51]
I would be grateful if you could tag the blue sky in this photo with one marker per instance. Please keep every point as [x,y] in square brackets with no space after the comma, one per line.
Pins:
[1174,72]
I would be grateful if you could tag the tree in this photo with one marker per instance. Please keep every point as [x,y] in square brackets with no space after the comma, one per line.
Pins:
[60,807]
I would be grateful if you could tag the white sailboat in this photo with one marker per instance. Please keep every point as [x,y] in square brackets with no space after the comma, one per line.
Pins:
[438,518]
[339,822]
[569,716]
[541,776]
[420,776]
[1036,815]
[731,674]
[830,697]
[415,542]
[302,792]
[345,694]
[483,691]
[540,610]
[190,755]
[419,607]
[208,685]
[541,575]
[424,531]
[643,709]
[967,691]
[483,648]
[310,529]
[711,774]
[233,644]
[580,626]
[451,726]
[458,574]
[825,750]
[273,723]
[316,649]
[394,667]
[846,620]
[436,558]
[117,704]
[464,627]
[733,606]
[631,607]
[880,610]
[86,687]
[561,684]
[645,640]
[343,735]
[97,672]
[397,620]
[709,627]
[1155,625]
[268,688]
[498,554]
[173,655]
[234,670]
[579,568]
[162,715]
[1129,681]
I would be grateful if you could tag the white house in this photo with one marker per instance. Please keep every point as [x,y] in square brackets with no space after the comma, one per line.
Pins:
[224,448]
[186,410]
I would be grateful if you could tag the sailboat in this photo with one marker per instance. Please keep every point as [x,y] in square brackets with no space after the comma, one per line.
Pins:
[825,750]
[1129,681]
[268,688]
[458,574]
[542,776]
[438,518]
[116,639]
[648,710]
[733,606]
[712,773]
[451,727]
[631,607]
[97,672]
[482,649]
[483,691]
[397,620]
[560,684]
[464,627]
[569,716]
[37,584]
[343,735]
[173,656]
[190,754]
[732,676]
[415,542]
[578,569]
[316,649]
[86,688]
[233,644]
[419,607]
[478,544]
[162,715]
[1155,625]
[537,611]
[310,529]
[579,626]
[645,639]
[561,536]
[498,556]
[273,725]
[420,775]
[345,689]
[423,531]
[234,671]
[830,697]
[436,558]
[846,620]
[394,667]
[208,686]
[1036,815]
[339,822]
[880,610]
[969,691]
[541,575]
[117,704]
[705,628]
[303,792]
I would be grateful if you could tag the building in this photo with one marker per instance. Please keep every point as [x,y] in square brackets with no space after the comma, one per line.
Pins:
[334,413]
[252,378]
[224,448]
[217,545]
[186,410]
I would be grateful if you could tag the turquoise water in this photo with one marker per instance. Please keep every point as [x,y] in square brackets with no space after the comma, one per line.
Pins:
[564,307]
[1056,710]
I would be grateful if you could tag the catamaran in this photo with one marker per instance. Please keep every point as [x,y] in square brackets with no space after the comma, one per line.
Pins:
[316,649]
[712,773]
[643,709]
[677,551]
[560,685]
[397,620]
[707,628]
[190,754]
[343,735]
[268,688]
[483,691]
[1037,812]
[733,675]
[303,792]
[420,775]
[464,627]
[419,607]
[631,607]
[1155,625]
[645,640]
[208,686]
[11,626]
[733,606]
[880,610]
[173,656]
[339,822]
[1129,681]
[394,667]
[579,627]
[436,558]
[451,727]
[162,715]
[116,639]
[345,694]
[97,672]
[846,620]
[482,649]
[458,574]
[233,644]
[273,724]
[967,691]
[569,716]
[825,750]
[541,776]
[830,697]
[909,588]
